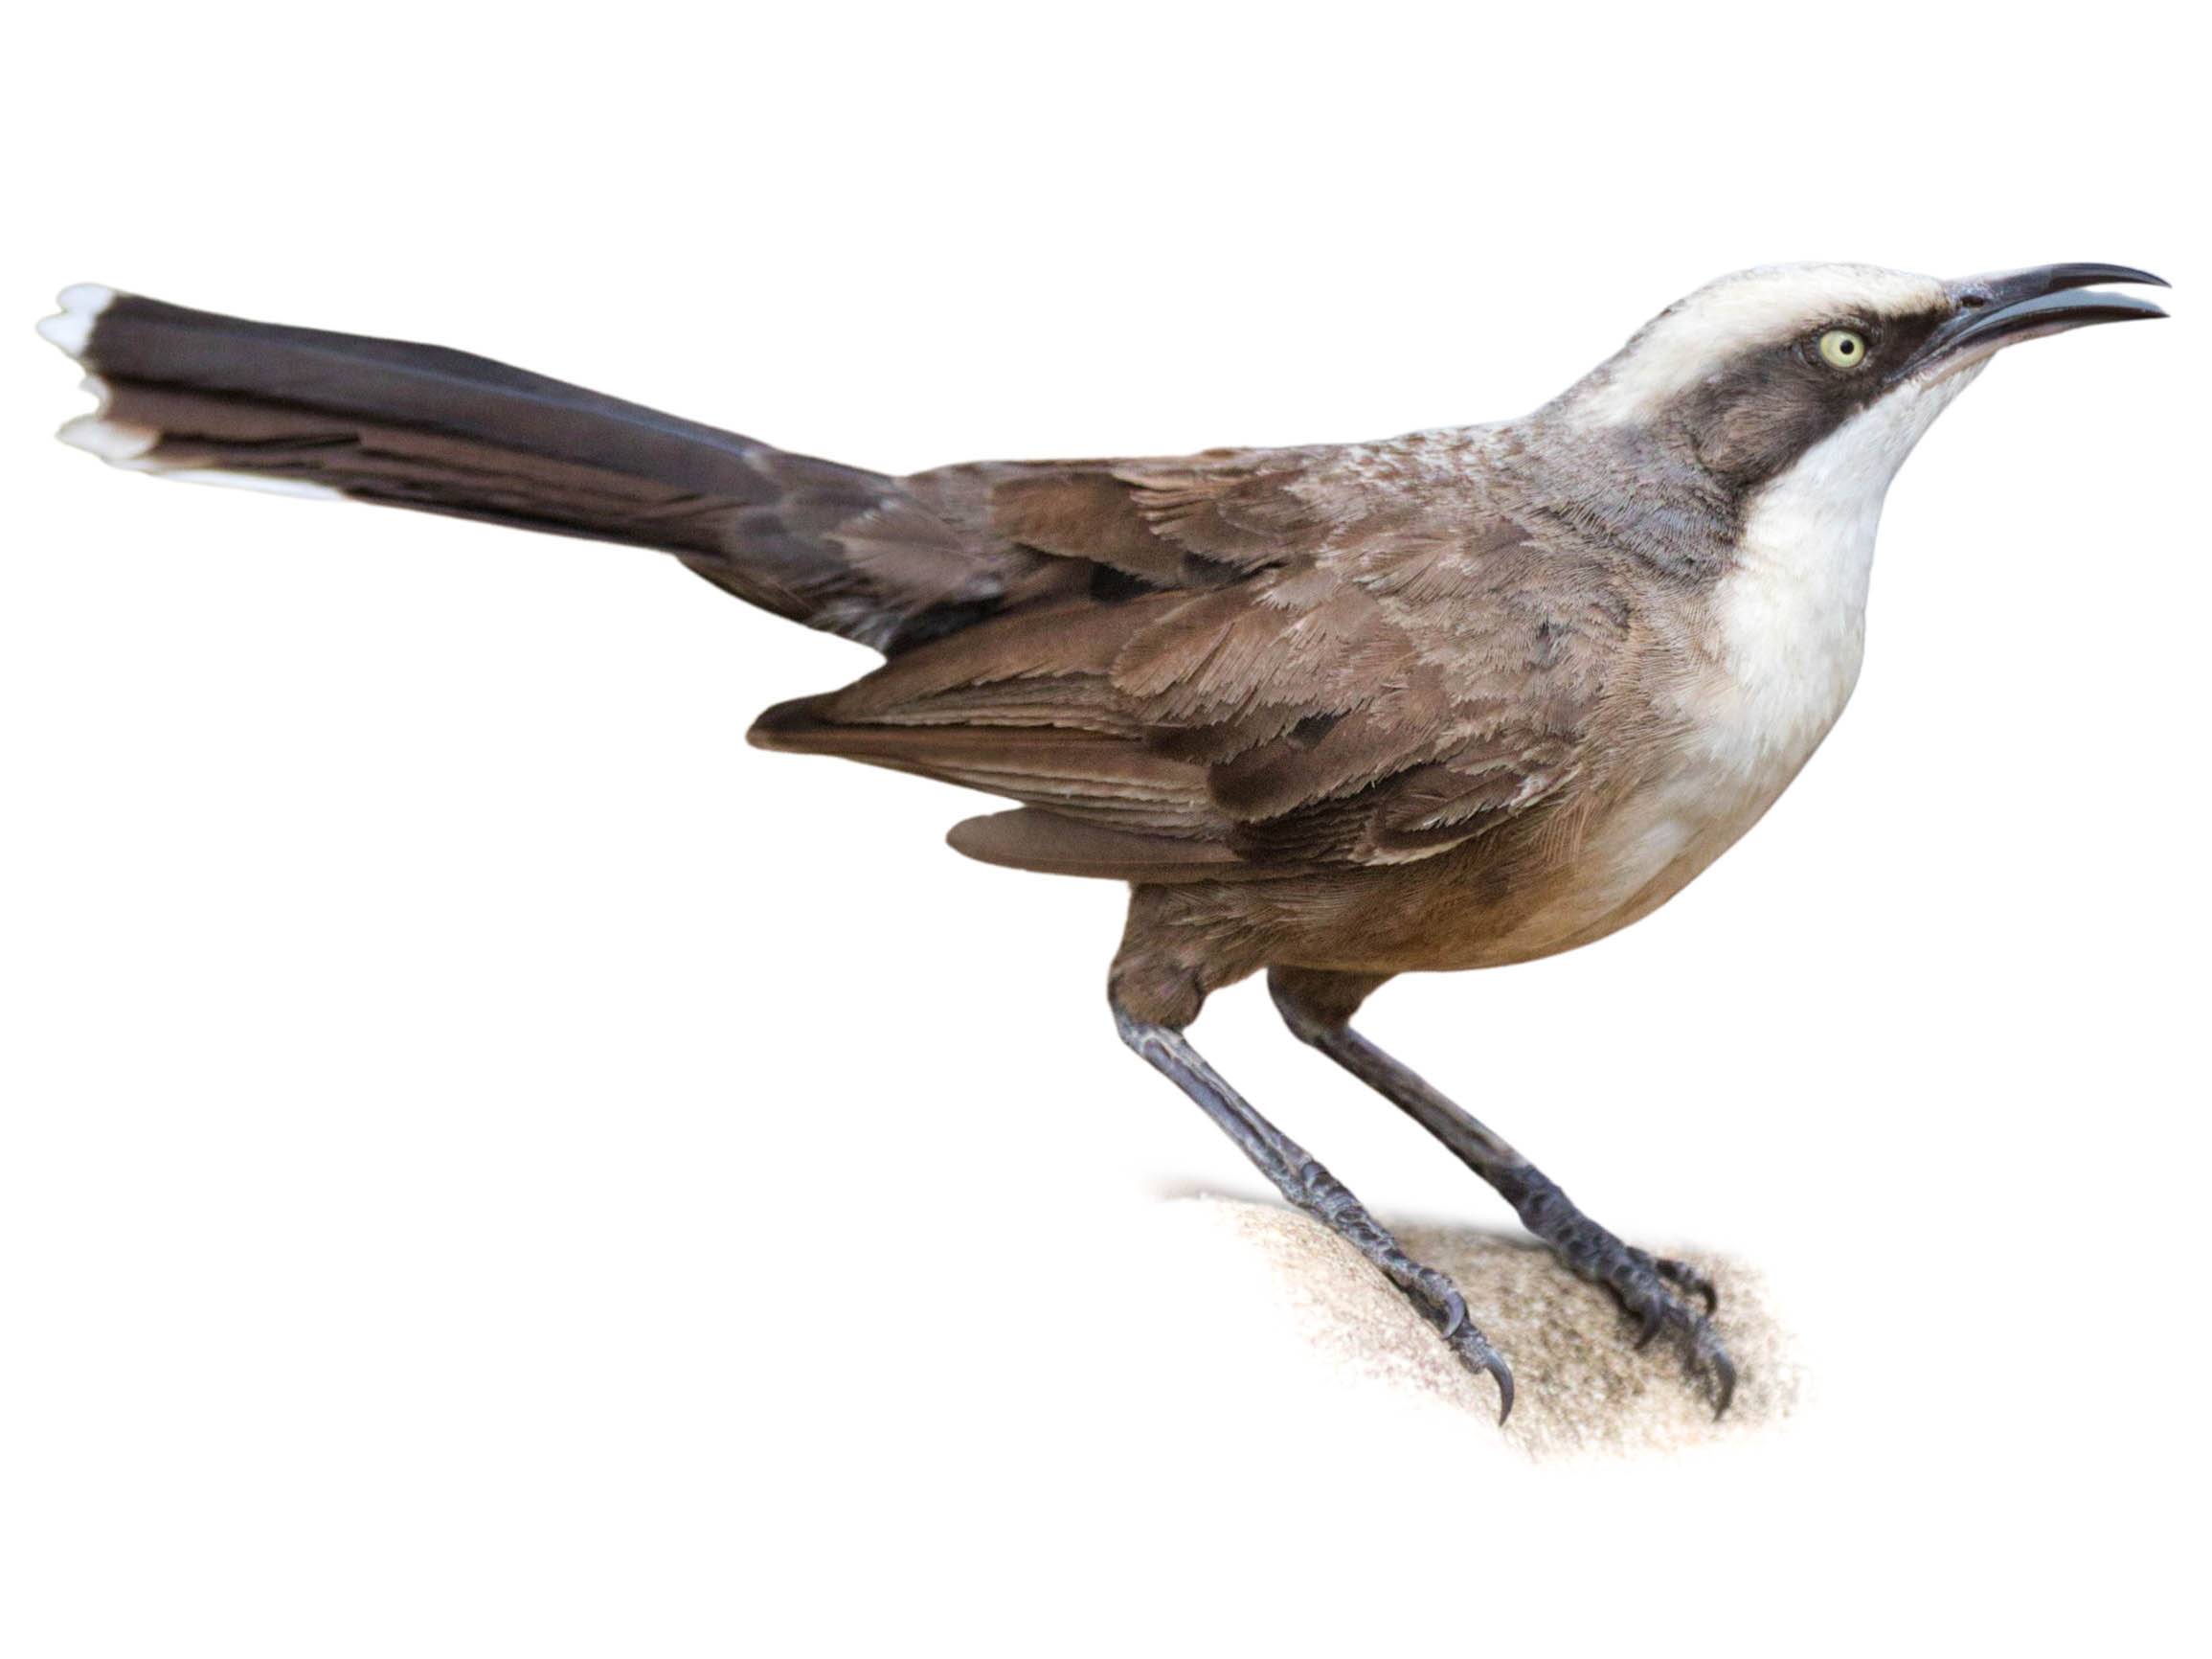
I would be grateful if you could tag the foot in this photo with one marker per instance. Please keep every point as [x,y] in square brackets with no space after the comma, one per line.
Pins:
[1432,1295]
[1440,1303]
[1644,1285]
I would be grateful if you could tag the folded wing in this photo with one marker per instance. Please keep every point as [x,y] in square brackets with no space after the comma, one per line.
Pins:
[1252,663]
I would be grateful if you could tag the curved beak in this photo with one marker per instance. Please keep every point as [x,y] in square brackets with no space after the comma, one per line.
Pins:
[2004,307]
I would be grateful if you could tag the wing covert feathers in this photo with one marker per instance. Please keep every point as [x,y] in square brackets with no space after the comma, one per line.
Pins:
[1301,659]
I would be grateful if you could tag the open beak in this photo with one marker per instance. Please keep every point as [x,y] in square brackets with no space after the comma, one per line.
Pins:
[2005,307]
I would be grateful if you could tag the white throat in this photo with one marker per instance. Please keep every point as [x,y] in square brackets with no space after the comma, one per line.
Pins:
[1793,613]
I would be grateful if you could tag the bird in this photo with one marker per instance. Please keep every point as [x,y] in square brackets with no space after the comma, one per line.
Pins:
[1457,699]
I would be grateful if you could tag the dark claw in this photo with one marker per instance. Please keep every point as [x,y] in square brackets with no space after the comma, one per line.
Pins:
[1724,1374]
[1704,1357]
[1435,1296]
[1476,1354]
[1454,1313]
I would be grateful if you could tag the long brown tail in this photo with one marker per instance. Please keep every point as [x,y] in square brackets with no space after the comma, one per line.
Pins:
[218,400]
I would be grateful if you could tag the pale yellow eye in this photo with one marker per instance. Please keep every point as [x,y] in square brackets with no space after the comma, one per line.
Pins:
[1841,349]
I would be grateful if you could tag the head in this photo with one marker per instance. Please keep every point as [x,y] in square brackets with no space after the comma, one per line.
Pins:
[1750,373]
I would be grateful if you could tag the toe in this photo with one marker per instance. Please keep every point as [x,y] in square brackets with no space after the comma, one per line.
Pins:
[1476,1354]
[1451,1310]
[1437,1297]
[1682,1276]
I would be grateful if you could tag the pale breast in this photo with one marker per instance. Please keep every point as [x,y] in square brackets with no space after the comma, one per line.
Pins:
[1648,848]
[1777,655]
[1784,637]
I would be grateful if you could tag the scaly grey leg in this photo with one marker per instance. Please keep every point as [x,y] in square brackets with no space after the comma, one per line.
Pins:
[1302,1180]
[1643,1283]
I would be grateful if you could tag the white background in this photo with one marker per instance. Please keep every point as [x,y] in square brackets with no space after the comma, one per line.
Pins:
[494,1166]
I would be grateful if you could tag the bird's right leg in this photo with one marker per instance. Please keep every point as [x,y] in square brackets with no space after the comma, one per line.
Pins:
[1317,1007]
[1302,1180]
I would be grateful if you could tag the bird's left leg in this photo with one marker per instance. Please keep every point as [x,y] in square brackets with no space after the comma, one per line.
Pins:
[1317,1007]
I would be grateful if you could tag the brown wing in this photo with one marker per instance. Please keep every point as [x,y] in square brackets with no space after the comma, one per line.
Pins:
[1244,663]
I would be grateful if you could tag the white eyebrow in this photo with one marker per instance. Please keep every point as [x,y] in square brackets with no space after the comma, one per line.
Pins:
[1694,336]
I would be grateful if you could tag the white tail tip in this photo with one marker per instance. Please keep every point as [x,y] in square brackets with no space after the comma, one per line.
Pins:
[71,327]
[119,444]
[114,442]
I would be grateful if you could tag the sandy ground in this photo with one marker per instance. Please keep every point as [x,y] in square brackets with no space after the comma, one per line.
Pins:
[1583,1387]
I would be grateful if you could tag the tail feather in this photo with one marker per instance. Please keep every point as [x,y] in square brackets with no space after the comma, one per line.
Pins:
[192,394]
